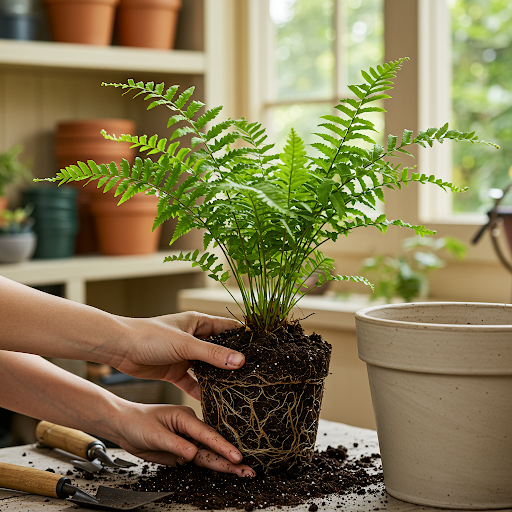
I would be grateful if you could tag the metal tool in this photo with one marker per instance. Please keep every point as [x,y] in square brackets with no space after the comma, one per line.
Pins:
[44,483]
[92,451]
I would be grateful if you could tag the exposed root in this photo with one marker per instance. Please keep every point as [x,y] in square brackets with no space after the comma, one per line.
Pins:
[269,408]
[273,424]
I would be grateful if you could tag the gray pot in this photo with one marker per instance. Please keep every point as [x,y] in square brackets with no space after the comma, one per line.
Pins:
[17,7]
[17,247]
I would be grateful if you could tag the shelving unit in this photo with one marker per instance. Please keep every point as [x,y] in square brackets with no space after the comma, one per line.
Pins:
[75,273]
[43,82]
[44,54]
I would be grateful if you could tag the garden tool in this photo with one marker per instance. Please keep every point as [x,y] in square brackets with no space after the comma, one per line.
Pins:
[45,483]
[92,450]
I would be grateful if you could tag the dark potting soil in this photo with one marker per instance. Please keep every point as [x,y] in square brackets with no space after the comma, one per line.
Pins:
[279,354]
[330,475]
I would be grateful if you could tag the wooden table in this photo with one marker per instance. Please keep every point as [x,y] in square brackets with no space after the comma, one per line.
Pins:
[330,433]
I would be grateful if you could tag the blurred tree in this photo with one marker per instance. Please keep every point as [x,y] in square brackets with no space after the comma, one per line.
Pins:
[306,67]
[482,98]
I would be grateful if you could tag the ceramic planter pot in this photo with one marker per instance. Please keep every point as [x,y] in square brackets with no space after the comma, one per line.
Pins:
[147,23]
[126,229]
[17,247]
[82,21]
[441,383]
[56,221]
[22,27]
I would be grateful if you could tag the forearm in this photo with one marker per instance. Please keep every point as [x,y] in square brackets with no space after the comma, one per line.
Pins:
[37,388]
[34,322]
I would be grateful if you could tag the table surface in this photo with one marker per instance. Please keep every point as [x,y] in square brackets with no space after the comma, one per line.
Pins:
[330,433]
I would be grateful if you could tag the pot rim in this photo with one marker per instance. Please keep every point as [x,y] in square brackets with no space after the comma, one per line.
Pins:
[10,237]
[364,315]
[172,5]
[82,2]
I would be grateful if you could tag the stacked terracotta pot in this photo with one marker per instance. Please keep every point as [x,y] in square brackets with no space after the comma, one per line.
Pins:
[143,23]
[104,226]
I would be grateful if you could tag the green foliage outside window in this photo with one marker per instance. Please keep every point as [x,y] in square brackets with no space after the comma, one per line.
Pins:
[303,59]
[482,97]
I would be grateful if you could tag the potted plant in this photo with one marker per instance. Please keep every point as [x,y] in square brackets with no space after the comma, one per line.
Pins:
[17,240]
[12,171]
[268,214]
[406,275]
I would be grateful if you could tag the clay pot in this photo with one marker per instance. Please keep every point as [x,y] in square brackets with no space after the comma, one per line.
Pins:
[126,229]
[82,21]
[93,127]
[441,380]
[147,23]
[81,140]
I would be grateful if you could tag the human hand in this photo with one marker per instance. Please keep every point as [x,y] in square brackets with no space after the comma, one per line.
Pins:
[173,435]
[161,348]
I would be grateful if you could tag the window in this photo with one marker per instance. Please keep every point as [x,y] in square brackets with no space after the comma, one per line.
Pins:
[466,77]
[481,98]
[310,51]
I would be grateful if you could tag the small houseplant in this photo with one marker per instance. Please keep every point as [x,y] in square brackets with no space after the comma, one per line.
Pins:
[12,170]
[405,275]
[269,214]
[17,239]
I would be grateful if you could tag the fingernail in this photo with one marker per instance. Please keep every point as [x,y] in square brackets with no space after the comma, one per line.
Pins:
[249,474]
[235,359]
[237,457]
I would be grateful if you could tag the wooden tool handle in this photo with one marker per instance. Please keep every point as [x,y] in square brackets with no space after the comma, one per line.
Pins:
[35,481]
[67,439]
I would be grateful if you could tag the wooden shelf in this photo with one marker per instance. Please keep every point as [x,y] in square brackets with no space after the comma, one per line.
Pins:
[75,272]
[80,56]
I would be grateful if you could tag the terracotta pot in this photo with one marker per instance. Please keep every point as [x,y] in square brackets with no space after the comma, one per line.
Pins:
[82,21]
[81,140]
[147,23]
[93,127]
[71,154]
[441,383]
[126,229]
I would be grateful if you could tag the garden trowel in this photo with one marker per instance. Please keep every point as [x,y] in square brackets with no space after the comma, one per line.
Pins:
[92,451]
[44,483]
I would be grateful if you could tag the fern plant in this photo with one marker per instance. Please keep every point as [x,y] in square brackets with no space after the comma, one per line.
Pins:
[268,213]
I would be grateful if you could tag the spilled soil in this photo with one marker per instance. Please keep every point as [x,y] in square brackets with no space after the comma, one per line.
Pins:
[331,474]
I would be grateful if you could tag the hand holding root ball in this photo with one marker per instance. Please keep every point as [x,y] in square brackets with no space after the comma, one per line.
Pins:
[32,322]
